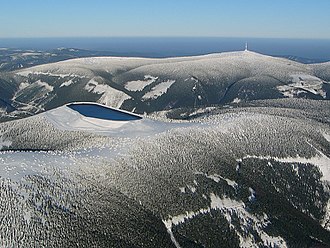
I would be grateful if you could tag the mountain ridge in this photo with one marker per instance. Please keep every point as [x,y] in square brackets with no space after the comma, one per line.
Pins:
[147,85]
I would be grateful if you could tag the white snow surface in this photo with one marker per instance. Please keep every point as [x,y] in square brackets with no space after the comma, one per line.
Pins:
[64,118]
[23,85]
[139,85]
[110,96]
[216,178]
[158,90]
[218,202]
[236,100]
[35,71]
[45,85]
[31,54]
[16,165]
[67,83]
[303,83]
[77,122]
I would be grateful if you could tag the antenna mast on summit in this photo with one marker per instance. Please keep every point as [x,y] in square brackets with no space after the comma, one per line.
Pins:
[246,47]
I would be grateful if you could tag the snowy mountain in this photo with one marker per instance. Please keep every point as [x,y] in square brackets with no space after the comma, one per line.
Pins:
[252,176]
[12,59]
[174,152]
[146,85]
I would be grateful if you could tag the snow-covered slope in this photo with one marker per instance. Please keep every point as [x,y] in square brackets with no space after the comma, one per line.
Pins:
[74,121]
[146,85]
[245,177]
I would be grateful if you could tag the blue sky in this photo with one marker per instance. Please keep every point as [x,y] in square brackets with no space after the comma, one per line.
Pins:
[222,18]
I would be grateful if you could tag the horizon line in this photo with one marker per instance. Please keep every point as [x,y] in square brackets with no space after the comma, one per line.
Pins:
[164,37]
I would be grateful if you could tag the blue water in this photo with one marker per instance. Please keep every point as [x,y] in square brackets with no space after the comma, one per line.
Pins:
[100,112]
[175,46]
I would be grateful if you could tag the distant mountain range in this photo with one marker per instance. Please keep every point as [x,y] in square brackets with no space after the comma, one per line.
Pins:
[12,59]
[304,60]
[146,85]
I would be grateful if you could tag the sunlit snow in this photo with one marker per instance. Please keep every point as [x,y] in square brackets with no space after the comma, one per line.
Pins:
[303,83]
[158,90]
[110,96]
[139,85]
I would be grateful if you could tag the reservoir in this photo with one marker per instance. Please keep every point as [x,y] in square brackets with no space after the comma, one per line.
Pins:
[102,112]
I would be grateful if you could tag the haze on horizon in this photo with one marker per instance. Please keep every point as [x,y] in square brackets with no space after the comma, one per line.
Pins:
[296,19]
